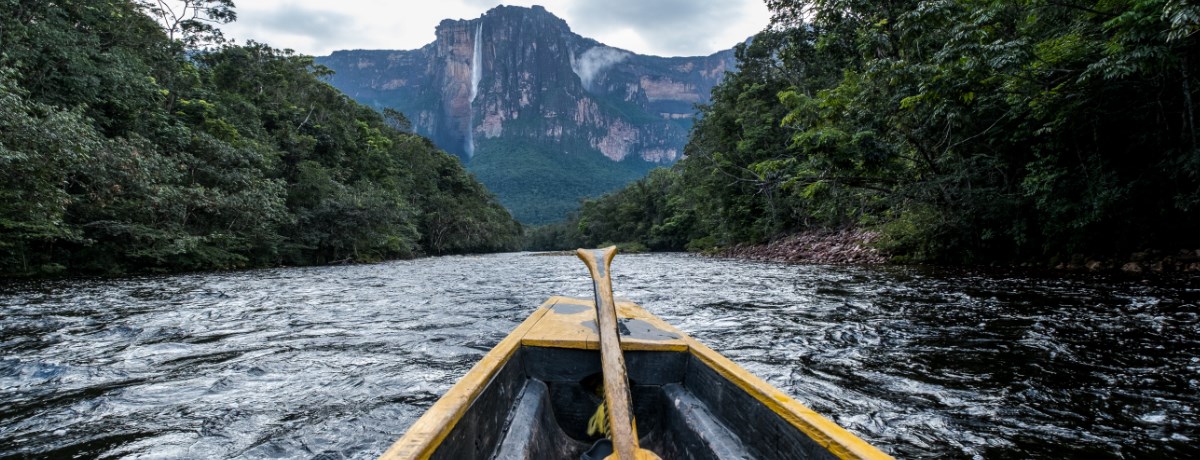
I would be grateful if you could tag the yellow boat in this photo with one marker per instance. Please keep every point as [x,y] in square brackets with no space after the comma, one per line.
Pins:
[535,394]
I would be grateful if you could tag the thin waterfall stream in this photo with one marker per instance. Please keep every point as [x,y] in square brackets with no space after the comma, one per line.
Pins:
[476,76]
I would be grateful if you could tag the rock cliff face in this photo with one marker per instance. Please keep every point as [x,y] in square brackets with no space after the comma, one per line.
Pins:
[540,114]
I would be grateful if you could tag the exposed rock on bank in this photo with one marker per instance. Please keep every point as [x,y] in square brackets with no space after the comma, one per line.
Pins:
[1184,260]
[817,247]
[856,247]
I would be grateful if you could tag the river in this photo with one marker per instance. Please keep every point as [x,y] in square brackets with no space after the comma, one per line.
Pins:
[335,362]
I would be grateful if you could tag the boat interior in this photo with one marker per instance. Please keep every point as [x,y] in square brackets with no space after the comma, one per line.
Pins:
[538,404]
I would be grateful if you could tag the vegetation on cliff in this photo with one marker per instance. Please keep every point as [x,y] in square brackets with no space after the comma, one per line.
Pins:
[965,131]
[124,148]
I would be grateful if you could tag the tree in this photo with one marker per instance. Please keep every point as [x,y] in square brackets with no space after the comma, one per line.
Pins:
[127,153]
[192,22]
[397,121]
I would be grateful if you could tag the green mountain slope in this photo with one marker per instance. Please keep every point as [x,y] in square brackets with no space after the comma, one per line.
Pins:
[544,185]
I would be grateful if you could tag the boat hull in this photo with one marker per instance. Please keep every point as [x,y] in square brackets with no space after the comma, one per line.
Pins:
[532,395]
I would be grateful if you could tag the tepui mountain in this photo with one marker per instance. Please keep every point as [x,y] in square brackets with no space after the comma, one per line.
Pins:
[541,115]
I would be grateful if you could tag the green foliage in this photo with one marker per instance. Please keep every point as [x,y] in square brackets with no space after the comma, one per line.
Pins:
[968,131]
[632,247]
[645,215]
[462,216]
[122,152]
[33,214]
[532,181]
[557,236]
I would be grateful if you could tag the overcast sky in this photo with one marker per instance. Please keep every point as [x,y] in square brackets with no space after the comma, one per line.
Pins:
[655,27]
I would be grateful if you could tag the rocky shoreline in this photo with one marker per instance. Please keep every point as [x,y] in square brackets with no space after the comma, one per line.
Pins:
[851,246]
[856,247]
[1181,261]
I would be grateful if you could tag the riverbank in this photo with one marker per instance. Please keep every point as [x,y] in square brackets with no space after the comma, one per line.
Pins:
[857,246]
[851,246]
[1151,261]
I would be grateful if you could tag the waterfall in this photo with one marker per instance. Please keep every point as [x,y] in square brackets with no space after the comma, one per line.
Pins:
[476,75]
[477,62]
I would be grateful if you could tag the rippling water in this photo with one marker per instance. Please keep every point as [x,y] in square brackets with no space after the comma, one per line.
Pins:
[336,362]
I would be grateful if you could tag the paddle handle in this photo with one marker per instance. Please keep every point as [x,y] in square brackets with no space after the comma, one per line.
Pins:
[616,382]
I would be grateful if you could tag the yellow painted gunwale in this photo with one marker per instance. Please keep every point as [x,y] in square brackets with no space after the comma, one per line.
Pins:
[423,437]
[549,328]
[842,443]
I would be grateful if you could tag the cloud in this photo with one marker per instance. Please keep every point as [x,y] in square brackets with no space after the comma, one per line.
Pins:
[660,27]
[676,27]
[485,4]
[594,60]
[319,26]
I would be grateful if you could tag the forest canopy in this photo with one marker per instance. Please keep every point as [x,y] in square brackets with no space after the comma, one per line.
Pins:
[964,131]
[134,141]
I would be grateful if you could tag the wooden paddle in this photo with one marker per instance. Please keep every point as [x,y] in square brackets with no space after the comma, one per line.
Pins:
[616,382]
